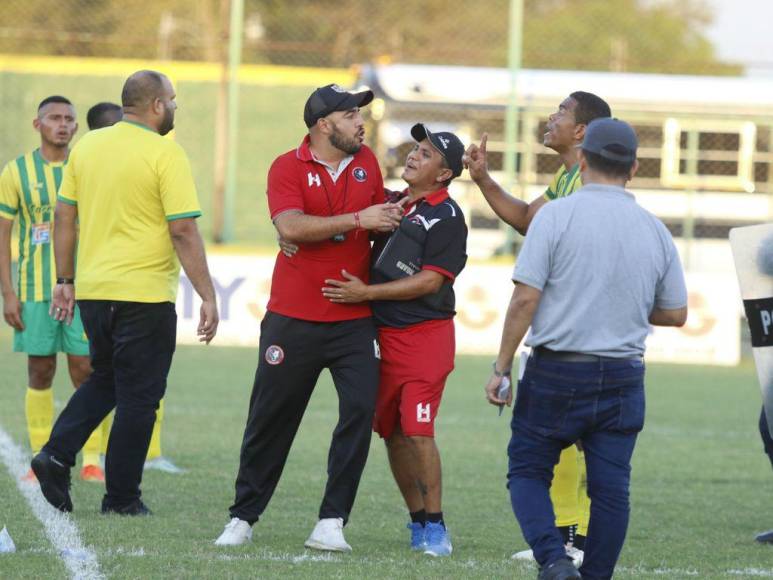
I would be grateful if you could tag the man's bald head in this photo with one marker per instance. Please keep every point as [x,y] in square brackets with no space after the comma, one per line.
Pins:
[148,98]
[142,88]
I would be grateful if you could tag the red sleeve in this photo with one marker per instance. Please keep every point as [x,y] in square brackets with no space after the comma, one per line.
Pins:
[284,187]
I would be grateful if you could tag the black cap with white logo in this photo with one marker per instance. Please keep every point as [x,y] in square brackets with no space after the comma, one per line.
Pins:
[447,144]
[332,98]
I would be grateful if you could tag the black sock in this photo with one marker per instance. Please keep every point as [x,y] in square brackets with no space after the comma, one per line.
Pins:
[579,542]
[568,533]
[419,517]
[436,518]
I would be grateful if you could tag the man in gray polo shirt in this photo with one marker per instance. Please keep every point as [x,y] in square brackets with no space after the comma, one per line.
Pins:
[595,271]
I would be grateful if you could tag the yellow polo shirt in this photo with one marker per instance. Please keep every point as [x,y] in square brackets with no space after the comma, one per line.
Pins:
[128,182]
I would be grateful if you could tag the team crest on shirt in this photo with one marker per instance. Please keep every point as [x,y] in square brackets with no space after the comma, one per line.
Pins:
[360,174]
[274,354]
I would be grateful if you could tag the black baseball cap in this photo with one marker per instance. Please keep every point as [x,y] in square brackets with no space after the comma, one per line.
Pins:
[447,144]
[332,98]
[612,139]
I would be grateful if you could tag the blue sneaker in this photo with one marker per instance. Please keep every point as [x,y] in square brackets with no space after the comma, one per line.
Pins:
[417,536]
[438,542]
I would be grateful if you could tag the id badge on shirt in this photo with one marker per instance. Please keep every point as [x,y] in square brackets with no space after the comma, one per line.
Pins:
[41,234]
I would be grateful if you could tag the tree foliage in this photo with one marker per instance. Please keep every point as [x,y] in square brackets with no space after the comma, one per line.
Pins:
[625,35]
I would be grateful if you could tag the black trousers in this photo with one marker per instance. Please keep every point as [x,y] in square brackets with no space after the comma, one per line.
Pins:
[131,346]
[767,441]
[293,353]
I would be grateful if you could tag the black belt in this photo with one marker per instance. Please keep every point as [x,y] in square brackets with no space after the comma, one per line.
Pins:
[569,356]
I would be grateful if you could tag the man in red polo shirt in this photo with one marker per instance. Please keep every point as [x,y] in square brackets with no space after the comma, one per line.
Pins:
[323,196]
[412,296]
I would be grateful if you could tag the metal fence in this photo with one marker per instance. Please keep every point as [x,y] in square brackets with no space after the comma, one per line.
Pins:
[705,161]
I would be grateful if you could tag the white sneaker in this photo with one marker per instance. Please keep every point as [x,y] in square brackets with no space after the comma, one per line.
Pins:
[236,533]
[164,464]
[575,554]
[328,535]
[524,556]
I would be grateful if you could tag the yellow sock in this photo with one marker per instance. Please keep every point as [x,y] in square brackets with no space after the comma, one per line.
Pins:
[582,496]
[39,408]
[563,491]
[105,426]
[92,447]
[155,440]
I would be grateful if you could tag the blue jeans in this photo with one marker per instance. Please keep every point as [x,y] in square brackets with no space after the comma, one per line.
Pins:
[601,405]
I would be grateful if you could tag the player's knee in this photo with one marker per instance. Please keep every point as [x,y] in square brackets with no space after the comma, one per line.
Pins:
[41,371]
[80,369]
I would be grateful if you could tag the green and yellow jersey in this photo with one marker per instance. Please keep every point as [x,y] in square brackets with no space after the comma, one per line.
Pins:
[564,183]
[28,188]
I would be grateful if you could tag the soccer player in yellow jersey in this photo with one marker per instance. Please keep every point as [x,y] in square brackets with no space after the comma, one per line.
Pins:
[565,131]
[28,188]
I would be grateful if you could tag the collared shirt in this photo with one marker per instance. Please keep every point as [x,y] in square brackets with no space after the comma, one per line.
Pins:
[128,183]
[28,187]
[431,236]
[297,181]
[334,173]
[602,263]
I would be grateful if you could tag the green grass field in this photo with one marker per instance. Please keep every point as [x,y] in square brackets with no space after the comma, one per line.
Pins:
[701,485]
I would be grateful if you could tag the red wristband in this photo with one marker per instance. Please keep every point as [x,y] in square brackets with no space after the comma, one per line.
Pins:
[357,220]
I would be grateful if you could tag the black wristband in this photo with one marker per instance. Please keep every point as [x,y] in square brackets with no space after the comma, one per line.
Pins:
[62,280]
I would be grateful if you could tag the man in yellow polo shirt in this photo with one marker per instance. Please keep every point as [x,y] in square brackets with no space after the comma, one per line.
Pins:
[565,131]
[101,115]
[133,194]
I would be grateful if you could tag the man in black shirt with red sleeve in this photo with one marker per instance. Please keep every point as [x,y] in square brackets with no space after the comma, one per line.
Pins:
[411,293]
[323,196]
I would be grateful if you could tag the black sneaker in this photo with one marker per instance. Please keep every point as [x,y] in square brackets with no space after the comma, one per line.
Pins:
[765,537]
[135,508]
[559,570]
[54,478]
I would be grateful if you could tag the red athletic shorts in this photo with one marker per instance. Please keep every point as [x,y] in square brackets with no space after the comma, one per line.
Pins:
[415,362]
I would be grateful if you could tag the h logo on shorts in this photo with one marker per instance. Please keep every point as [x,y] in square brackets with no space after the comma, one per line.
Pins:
[423,413]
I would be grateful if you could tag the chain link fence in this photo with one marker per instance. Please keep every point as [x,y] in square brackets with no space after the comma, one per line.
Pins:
[706,151]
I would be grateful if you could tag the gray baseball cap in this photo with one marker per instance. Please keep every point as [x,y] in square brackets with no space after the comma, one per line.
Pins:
[612,139]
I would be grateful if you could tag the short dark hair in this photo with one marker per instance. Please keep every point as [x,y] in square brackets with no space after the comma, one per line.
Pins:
[589,107]
[54,99]
[101,115]
[607,166]
[141,88]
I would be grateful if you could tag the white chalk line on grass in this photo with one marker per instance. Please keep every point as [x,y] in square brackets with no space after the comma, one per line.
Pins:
[80,560]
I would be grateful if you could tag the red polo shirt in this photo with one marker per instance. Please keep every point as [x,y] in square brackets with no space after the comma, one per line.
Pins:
[297,182]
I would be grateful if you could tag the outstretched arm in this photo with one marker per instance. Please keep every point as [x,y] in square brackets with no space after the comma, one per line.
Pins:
[513,211]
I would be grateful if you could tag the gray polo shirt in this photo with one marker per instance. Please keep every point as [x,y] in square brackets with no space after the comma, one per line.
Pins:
[601,262]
